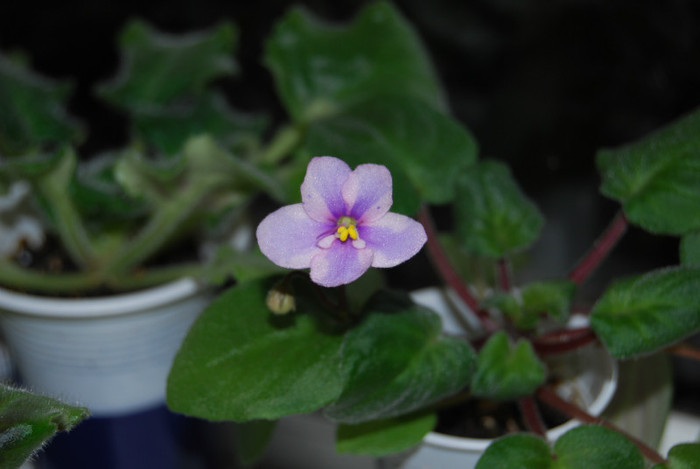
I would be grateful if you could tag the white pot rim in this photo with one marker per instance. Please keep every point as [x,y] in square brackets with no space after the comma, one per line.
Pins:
[596,408]
[76,308]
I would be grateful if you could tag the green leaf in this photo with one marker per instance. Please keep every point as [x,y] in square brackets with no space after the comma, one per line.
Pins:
[645,313]
[32,111]
[493,216]
[585,447]
[507,372]
[319,69]
[658,178]
[551,297]
[519,451]
[160,68]
[242,266]
[168,128]
[240,363]
[424,150]
[594,447]
[535,300]
[690,249]
[382,437]
[28,420]
[252,439]
[395,362]
[683,456]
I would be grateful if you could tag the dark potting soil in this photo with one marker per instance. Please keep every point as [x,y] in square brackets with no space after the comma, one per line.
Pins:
[483,418]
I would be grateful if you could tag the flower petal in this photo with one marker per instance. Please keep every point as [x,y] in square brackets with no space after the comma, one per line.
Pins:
[367,192]
[321,191]
[394,238]
[288,237]
[340,264]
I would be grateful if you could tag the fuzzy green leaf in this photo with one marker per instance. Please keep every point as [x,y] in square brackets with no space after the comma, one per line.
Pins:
[493,216]
[645,313]
[424,150]
[159,68]
[658,178]
[240,363]
[396,362]
[382,437]
[519,451]
[585,447]
[504,371]
[32,111]
[550,297]
[690,249]
[683,456]
[594,447]
[28,420]
[319,69]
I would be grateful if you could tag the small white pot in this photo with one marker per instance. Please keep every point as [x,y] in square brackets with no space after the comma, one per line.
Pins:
[111,354]
[590,381]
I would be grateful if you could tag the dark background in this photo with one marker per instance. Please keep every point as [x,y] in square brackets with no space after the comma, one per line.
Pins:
[541,84]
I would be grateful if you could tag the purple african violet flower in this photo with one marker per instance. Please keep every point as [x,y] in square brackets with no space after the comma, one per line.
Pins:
[343,225]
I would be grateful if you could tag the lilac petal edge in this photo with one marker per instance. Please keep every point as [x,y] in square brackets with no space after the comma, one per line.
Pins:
[340,264]
[321,191]
[394,238]
[367,192]
[288,237]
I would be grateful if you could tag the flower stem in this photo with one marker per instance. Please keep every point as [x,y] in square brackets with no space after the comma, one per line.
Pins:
[685,351]
[285,140]
[504,274]
[601,248]
[548,396]
[531,415]
[448,272]
[563,340]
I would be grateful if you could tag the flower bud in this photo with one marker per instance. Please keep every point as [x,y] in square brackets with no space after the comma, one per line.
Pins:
[280,299]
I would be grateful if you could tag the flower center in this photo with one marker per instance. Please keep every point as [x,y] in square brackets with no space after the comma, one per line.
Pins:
[346,228]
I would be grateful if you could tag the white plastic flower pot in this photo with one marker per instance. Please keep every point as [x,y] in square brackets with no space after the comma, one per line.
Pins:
[111,354]
[590,379]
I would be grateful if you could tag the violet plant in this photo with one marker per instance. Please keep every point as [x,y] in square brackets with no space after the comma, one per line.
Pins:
[336,340]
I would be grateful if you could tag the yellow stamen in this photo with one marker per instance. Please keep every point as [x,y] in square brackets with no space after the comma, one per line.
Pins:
[346,228]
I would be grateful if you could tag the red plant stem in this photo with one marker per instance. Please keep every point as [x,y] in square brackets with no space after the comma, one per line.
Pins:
[531,415]
[504,274]
[548,396]
[686,351]
[563,340]
[448,272]
[600,250]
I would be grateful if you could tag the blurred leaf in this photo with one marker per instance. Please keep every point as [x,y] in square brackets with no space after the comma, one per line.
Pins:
[585,447]
[493,216]
[240,363]
[396,361]
[533,301]
[168,128]
[424,150]
[518,451]
[645,313]
[159,68]
[28,421]
[242,266]
[32,111]
[382,437]
[252,439]
[504,371]
[683,456]
[658,178]
[97,194]
[690,249]
[594,447]
[319,69]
